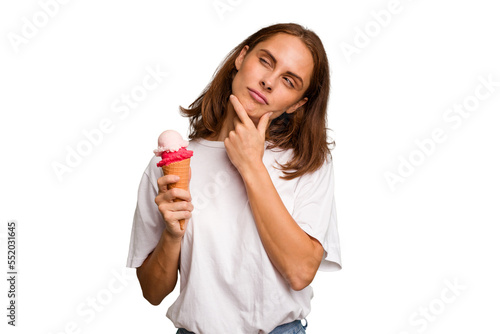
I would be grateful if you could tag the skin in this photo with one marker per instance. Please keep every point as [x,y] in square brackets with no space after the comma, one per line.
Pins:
[268,69]
[280,69]
[293,252]
[158,273]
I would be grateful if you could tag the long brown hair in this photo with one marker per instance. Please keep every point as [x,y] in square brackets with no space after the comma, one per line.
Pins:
[303,131]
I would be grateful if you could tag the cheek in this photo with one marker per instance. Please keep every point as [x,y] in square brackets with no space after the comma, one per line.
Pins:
[285,99]
[237,82]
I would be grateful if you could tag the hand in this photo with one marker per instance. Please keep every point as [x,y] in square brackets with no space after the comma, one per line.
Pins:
[245,144]
[173,211]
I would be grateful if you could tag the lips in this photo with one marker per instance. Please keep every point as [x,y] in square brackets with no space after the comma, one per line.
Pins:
[257,96]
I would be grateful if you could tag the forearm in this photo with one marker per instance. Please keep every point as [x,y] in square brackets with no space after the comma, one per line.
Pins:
[158,274]
[292,251]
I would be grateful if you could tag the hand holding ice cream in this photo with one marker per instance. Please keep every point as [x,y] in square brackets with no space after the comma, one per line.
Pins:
[175,160]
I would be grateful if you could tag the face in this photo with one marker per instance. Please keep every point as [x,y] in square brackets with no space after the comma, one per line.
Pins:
[273,76]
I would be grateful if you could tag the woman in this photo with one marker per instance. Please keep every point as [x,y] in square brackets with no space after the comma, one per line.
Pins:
[260,211]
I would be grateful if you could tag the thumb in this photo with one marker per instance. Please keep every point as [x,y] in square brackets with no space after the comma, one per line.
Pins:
[264,123]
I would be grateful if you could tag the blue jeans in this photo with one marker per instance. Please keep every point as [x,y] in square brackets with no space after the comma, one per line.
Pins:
[294,327]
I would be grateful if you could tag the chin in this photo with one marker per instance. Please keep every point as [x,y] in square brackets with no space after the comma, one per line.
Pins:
[248,103]
[253,108]
[253,111]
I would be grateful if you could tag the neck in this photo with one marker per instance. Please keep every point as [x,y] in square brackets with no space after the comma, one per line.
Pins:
[227,124]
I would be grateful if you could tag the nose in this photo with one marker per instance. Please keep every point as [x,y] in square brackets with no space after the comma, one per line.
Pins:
[266,84]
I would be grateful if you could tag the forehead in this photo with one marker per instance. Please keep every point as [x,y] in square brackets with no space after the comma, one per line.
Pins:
[291,54]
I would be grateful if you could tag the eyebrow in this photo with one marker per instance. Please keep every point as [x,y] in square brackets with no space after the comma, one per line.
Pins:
[287,72]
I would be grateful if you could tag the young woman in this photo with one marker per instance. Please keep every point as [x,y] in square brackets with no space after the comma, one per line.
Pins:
[260,213]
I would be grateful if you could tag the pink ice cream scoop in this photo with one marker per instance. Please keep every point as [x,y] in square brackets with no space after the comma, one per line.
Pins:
[172,148]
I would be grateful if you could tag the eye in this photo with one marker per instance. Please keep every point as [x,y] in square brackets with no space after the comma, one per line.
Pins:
[264,61]
[289,82]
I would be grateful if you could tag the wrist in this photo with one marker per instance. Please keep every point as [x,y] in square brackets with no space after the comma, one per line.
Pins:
[253,172]
[171,239]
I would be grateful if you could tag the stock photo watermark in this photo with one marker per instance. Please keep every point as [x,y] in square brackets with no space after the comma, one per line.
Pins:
[363,36]
[430,312]
[88,310]
[222,7]
[33,24]
[11,238]
[453,117]
[211,190]
[121,107]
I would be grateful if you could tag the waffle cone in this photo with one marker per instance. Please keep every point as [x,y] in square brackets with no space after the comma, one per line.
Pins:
[181,169]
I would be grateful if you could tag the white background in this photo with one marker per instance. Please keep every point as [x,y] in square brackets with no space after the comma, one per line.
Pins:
[401,246]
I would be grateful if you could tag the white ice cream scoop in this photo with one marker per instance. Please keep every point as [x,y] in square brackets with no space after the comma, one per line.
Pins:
[170,141]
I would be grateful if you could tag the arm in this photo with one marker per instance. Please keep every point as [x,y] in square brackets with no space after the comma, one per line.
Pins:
[293,252]
[158,273]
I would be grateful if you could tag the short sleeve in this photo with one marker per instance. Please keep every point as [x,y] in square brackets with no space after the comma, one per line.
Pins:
[315,212]
[148,222]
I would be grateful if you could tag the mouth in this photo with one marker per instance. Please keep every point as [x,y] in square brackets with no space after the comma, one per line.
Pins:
[257,96]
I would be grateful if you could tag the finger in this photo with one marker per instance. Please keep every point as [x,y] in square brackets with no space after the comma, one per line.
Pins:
[166,180]
[264,123]
[240,110]
[180,206]
[179,215]
[168,208]
[172,195]
[175,216]
[178,194]
[236,122]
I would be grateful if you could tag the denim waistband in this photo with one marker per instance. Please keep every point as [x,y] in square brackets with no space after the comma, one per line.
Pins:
[294,327]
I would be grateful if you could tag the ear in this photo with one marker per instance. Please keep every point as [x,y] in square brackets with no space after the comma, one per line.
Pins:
[240,58]
[296,106]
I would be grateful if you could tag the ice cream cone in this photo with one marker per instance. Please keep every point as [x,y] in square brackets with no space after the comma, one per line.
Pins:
[181,169]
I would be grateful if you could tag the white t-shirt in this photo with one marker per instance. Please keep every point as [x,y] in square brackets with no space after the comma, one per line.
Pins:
[227,282]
